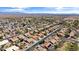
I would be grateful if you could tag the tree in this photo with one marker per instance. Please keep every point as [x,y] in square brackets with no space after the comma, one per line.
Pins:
[1,38]
[76,24]
[69,46]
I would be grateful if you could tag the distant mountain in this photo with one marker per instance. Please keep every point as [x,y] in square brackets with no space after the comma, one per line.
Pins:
[7,8]
[11,13]
[36,14]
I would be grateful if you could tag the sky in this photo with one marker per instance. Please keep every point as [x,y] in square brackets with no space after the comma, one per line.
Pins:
[40,6]
[51,10]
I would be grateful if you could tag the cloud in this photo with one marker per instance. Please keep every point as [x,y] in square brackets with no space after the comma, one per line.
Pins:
[11,9]
[64,10]
[39,3]
[14,10]
[40,9]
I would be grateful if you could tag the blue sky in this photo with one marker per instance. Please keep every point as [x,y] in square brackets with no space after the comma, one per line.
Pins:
[54,10]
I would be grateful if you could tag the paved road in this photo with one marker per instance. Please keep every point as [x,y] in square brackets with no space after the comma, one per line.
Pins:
[52,33]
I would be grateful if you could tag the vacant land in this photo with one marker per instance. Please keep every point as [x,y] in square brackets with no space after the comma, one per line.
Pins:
[39,33]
